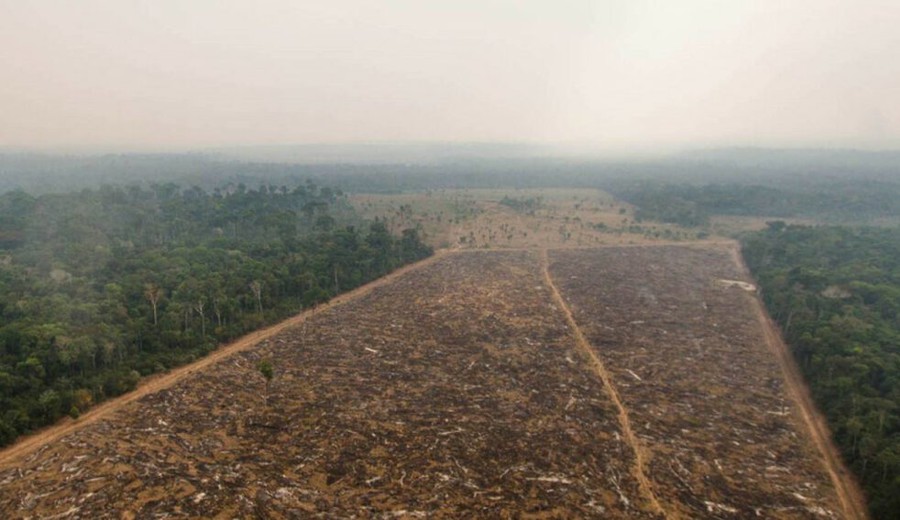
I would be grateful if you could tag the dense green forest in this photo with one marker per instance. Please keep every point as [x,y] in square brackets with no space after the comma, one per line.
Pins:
[103,286]
[835,291]
[834,200]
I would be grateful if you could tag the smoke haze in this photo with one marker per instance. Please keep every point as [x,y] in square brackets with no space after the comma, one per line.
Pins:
[605,75]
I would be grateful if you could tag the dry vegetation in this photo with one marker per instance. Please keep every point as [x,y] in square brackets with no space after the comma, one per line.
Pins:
[477,219]
[458,390]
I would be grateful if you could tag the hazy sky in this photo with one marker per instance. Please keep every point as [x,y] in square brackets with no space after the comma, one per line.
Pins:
[189,73]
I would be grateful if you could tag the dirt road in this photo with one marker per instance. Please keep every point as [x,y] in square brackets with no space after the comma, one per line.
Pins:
[27,445]
[852,499]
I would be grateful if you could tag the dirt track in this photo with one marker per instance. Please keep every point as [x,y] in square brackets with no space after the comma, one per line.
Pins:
[849,493]
[597,365]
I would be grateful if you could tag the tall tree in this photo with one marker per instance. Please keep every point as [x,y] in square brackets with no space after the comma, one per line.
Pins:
[153,293]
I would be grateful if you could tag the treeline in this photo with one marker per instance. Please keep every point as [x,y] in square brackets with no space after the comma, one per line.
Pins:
[692,205]
[835,292]
[820,178]
[101,287]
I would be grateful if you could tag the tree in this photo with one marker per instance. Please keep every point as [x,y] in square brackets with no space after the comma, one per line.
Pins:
[268,372]
[256,287]
[49,401]
[199,309]
[153,294]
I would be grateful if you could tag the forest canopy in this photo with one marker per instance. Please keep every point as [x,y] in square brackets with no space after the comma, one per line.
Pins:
[692,205]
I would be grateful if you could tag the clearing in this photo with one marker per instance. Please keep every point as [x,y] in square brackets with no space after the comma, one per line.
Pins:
[614,382]
[516,218]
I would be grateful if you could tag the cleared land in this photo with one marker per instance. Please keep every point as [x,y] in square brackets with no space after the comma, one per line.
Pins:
[705,394]
[620,382]
[530,218]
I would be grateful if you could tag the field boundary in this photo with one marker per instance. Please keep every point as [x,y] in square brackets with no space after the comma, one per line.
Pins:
[31,443]
[849,494]
[599,368]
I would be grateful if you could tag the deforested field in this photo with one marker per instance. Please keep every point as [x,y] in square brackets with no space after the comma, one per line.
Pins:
[621,382]
[704,394]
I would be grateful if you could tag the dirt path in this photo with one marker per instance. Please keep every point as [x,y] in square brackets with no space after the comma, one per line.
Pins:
[851,497]
[586,348]
[27,445]
[575,247]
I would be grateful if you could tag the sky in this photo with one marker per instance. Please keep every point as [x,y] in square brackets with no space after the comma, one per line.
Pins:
[175,75]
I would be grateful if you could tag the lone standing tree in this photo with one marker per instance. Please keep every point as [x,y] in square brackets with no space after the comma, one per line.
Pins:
[267,371]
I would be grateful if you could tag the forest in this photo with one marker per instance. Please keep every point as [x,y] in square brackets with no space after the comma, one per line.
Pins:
[835,292]
[103,286]
[827,200]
